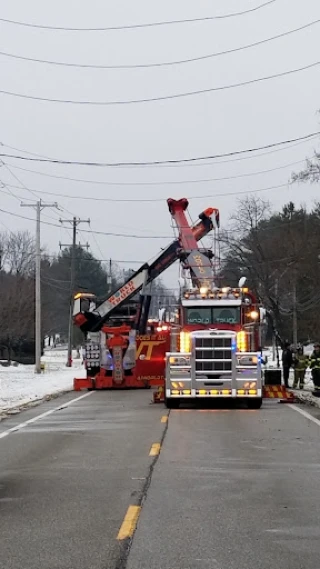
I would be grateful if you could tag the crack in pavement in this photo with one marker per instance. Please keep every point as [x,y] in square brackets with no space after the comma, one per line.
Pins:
[126,544]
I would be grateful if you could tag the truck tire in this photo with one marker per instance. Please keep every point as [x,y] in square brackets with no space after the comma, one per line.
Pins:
[172,403]
[254,403]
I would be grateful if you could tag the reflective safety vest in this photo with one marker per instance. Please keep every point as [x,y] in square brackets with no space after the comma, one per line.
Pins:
[301,362]
[315,361]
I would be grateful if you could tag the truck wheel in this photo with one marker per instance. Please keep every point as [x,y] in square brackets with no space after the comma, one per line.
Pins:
[172,403]
[254,403]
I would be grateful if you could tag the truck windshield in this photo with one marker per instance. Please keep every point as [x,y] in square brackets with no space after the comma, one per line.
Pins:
[216,315]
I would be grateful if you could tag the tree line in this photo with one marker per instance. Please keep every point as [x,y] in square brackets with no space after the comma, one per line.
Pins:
[279,253]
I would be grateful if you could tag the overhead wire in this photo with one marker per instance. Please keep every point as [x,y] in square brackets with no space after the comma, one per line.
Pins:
[109,233]
[35,193]
[135,236]
[138,26]
[97,244]
[275,150]
[162,63]
[163,97]
[23,186]
[153,200]
[158,162]
[32,192]
[165,182]
[223,232]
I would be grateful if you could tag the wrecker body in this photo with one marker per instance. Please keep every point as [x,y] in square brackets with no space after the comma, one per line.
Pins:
[212,351]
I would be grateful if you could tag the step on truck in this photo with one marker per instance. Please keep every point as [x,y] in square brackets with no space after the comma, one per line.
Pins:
[213,369]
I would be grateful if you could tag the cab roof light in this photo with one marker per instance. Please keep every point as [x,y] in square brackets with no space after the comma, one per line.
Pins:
[203,290]
[84,295]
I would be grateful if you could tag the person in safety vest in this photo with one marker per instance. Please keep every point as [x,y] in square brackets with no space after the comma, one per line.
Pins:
[300,364]
[314,364]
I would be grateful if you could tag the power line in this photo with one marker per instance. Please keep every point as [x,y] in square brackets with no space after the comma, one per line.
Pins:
[97,244]
[137,26]
[158,162]
[152,200]
[224,231]
[33,192]
[159,165]
[140,262]
[163,183]
[161,63]
[18,198]
[163,97]
[24,187]
[107,233]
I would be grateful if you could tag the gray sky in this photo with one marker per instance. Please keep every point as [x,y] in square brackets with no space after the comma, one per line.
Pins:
[216,122]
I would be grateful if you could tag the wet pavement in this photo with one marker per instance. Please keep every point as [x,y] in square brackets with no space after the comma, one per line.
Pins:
[231,489]
[67,479]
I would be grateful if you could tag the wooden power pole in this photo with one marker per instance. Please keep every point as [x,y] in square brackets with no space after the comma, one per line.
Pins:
[75,222]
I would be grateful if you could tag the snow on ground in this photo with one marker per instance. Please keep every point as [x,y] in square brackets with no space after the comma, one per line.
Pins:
[20,385]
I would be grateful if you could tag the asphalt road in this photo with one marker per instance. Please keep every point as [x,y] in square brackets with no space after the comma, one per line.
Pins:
[233,489]
[68,478]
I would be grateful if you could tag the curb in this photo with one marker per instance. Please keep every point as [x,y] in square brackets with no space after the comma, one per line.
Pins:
[10,411]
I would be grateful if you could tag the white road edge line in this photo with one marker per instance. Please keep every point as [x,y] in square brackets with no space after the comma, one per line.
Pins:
[305,414]
[38,417]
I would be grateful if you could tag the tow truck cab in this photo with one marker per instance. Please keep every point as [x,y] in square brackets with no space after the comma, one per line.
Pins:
[230,309]
[218,348]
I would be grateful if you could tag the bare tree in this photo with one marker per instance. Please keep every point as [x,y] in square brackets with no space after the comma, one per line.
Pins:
[311,173]
[20,253]
[246,248]
[3,249]
[280,254]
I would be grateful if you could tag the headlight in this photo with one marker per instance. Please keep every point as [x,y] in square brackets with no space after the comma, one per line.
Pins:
[242,341]
[185,342]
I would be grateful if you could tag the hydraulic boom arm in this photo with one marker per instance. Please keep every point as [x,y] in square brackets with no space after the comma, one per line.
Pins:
[194,259]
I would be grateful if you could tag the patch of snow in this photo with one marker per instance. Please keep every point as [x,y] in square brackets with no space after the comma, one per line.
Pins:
[21,385]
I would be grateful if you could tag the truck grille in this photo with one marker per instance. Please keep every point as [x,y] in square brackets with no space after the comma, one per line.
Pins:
[213,355]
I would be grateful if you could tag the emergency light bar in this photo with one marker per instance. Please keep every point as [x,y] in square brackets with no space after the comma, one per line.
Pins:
[216,293]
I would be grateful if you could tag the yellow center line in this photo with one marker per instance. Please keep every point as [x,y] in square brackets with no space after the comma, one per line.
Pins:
[164,419]
[129,523]
[155,449]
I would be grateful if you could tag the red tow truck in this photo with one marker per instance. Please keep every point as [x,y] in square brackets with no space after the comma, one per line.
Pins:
[135,354]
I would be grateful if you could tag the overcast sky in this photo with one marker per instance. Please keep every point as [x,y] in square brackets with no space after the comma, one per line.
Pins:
[206,124]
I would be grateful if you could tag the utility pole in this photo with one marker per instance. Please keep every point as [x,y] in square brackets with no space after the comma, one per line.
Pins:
[75,222]
[274,339]
[39,206]
[294,311]
[110,275]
